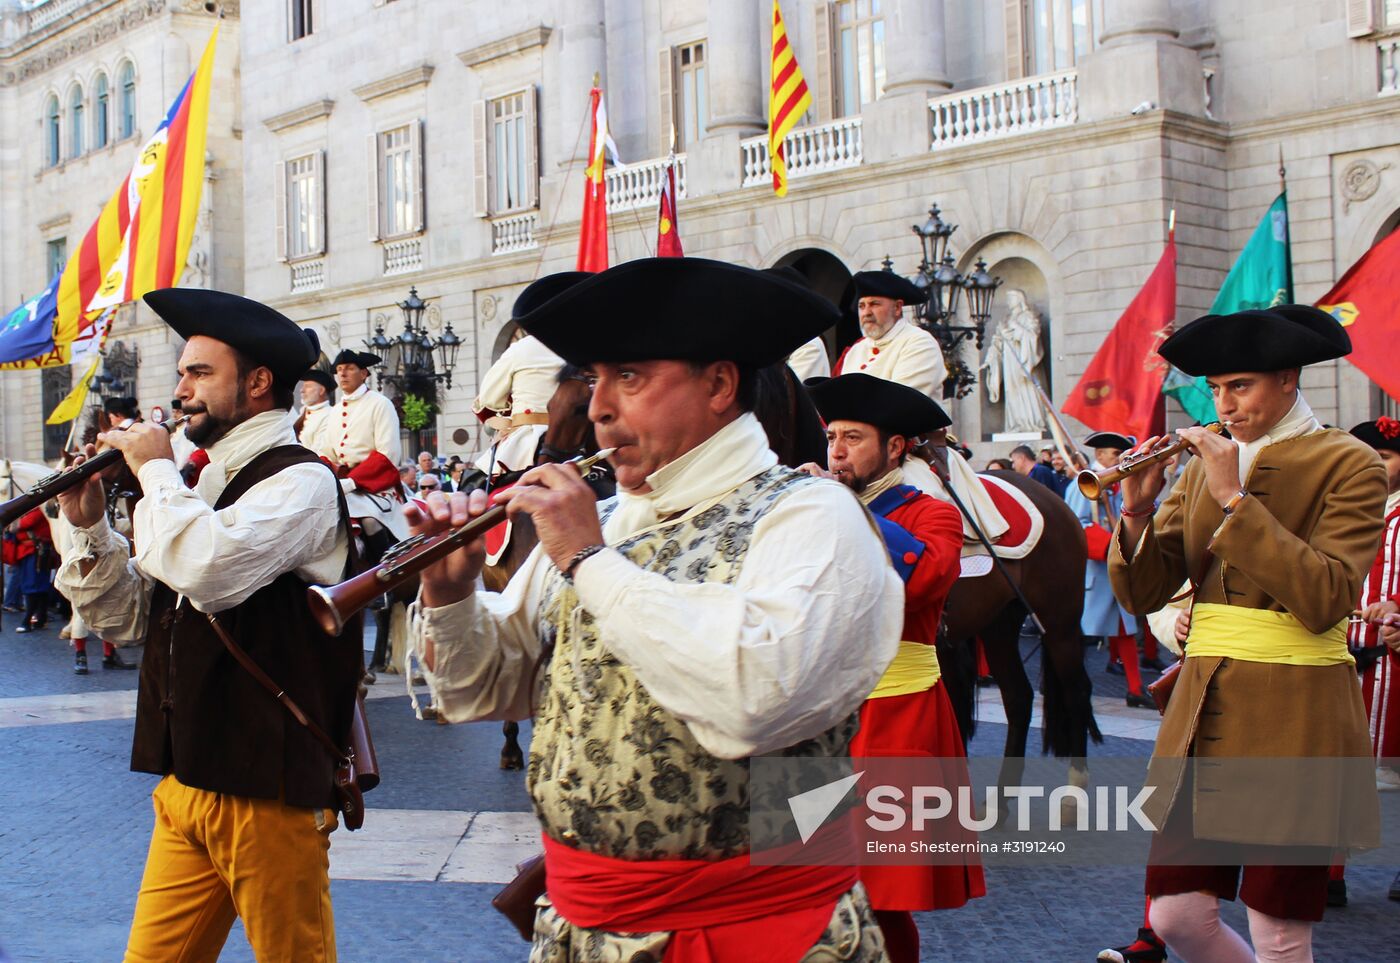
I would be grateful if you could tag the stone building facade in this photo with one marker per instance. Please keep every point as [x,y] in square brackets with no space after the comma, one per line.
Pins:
[83,83]
[438,145]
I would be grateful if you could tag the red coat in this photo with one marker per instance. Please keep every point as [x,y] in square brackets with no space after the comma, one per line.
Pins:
[924,538]
[33,527]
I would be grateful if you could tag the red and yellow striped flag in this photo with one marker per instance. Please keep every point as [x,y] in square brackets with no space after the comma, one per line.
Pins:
[162,198]
[787,103]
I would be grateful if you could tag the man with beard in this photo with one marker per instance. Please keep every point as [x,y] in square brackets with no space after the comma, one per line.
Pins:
[721,607]
[246,806]
[314,425]
[869,422]
[905,353]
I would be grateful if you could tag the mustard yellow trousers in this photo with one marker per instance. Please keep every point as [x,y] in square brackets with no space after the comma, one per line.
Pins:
[214,857]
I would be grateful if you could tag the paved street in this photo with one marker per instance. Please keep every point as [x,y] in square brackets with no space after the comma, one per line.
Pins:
[445,829]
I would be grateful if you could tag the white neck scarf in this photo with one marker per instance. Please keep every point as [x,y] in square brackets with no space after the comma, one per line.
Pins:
[889,335]
[695,480]
[881,485]
[1392,502]
[245,442]
[359,392]
[1298,422]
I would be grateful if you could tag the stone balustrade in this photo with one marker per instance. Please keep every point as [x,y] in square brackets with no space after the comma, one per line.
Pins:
[639,185]
[404,255]
[308,275]
[808,150]
[1388,53]
[514,232]
[1004,110]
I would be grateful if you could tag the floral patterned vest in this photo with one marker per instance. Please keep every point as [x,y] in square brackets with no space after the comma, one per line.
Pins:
[611,771]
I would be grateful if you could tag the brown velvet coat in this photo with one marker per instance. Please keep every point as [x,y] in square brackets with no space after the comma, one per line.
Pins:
[1301,543]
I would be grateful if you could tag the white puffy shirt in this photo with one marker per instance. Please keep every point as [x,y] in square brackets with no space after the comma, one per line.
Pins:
[907,354]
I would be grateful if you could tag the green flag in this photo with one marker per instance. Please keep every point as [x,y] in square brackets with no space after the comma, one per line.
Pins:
[1261,278]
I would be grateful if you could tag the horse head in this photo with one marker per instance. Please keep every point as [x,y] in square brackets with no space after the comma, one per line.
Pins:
[570,433]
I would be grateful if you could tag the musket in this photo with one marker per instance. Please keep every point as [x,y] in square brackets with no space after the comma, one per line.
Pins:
[332,605]
[60,481]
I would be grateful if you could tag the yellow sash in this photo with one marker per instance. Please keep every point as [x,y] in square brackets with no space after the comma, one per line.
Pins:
[1259,635]
[914,669]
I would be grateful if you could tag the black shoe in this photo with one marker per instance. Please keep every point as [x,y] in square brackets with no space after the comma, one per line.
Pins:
[26,627]
[369,678]
[1113,668]
[1139,701]
[1147,948]
[11,609]
[985,682]
[1336,892]
[80,663]
[1395,888]
[1155,665]
[115,661]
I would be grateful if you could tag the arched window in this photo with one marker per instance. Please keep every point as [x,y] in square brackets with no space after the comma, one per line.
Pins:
[75,121]
[51,132]
[101,106]
[126,105]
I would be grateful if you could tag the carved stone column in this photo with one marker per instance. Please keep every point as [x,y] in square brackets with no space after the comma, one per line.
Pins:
[916,56]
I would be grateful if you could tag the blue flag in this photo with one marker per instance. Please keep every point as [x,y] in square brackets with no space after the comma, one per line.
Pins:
[27,331]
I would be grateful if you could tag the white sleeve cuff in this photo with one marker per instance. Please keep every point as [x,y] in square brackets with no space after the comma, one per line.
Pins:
[601,579]
[159,473]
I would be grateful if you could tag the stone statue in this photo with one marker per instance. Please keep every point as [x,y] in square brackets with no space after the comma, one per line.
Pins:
[1018,336]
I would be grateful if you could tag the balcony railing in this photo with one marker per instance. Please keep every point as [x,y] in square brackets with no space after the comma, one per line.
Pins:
[45,14]
[308,275]
[808,150]
[1388,52]
[639,185]
[514,232]
[404,255]
[1004,110]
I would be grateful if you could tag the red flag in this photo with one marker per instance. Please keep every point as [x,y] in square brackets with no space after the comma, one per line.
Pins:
[668,238]
[593,230]
[1121,390]
[1366,301]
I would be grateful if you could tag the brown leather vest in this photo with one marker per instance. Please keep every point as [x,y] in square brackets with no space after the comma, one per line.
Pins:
[203,717]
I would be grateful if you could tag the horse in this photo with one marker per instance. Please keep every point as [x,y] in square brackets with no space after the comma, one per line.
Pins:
[1051,577]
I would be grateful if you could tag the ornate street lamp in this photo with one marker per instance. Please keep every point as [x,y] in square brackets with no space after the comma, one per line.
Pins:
[939,277]
[409,365]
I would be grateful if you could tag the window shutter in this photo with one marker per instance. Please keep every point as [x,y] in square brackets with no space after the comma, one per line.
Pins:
[479,155]
[826,82]
[666,83]
[320,246]
[1015,39]
[532,147]
[376,179]
[1361,17]
[280,189]
[419,166]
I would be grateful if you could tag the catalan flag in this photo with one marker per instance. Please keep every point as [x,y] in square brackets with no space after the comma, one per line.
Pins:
[163,197]
[787,103]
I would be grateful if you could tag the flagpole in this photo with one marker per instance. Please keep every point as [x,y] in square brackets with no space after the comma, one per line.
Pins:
[1062,435]
[1282,171]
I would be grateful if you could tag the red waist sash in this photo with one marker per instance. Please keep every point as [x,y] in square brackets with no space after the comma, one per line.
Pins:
[718,912]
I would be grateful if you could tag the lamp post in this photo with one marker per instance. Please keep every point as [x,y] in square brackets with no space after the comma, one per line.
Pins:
[939,277]
[414,362]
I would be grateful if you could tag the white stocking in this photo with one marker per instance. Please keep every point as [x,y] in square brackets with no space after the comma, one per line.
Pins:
[1278,940]
[1190,925]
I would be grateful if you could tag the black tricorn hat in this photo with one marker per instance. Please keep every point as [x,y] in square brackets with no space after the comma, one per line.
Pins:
[265,336]
[887,284]
[1383,434]
[1110,439]
[538,292]
[1271,339]
[680,308]
[362,358]
[888,405]
[322,378]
